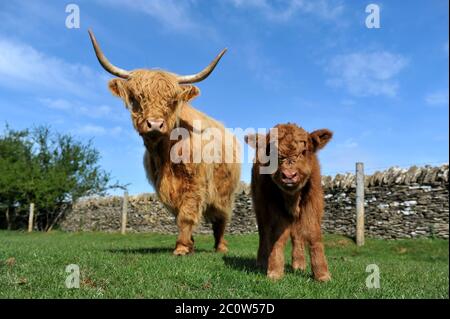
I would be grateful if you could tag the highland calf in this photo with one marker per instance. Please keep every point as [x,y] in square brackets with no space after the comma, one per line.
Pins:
[289,202]
[159,105]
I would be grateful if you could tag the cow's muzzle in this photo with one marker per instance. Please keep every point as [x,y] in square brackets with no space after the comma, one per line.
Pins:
[155,125]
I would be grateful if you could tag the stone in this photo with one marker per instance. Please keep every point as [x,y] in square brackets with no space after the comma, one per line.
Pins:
[399,203]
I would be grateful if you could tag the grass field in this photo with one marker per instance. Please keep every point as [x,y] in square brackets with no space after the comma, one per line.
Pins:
[142,266]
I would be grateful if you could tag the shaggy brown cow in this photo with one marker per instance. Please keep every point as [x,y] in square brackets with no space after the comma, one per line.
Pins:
[289,202]
[159,104]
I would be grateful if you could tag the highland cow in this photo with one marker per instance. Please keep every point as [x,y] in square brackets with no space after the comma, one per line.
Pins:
[289,201]
[159,105]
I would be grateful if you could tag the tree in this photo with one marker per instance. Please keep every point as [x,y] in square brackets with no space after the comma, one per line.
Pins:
[15,159]
[49,169]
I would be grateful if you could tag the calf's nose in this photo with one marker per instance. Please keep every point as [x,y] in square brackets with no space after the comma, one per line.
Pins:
[289,175]
[155,125]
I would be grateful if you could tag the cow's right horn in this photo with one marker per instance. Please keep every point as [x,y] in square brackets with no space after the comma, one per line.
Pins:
[104,61]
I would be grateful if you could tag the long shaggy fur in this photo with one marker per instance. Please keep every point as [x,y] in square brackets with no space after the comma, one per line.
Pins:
[285,210]
[189,190]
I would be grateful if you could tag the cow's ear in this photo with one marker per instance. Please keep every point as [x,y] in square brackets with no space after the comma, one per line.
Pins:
[253,139]
[189,92]
[320,138]
[117,88]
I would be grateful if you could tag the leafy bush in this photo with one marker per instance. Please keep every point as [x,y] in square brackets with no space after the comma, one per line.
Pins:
[49,169]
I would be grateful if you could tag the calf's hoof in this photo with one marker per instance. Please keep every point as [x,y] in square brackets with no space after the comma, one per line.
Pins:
[261,263]
[275,275]
[298,266]
[324,277]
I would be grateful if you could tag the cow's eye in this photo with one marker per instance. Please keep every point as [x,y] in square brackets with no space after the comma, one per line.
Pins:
[303,153]
[173,103]
[135,106]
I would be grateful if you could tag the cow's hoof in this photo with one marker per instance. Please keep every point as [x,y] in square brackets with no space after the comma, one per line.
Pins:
[181,251]
[274,275]
[222,249]
[323,277]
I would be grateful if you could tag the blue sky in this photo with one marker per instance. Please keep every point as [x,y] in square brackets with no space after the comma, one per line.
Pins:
[384,92]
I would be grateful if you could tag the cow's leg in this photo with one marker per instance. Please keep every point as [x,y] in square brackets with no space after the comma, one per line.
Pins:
[220,244]
[279,236]
[298,247]
[185,242]
[187,219]
[219,220]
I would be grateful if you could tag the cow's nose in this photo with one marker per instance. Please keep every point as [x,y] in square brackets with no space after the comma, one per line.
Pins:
[155,125]
[289,175]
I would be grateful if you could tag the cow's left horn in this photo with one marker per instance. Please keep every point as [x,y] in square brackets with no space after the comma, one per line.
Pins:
[185,79]
[114,70]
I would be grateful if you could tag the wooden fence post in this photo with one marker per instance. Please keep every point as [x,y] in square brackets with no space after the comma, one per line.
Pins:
[359,204]
[8,219]
[124,213]
[31,218]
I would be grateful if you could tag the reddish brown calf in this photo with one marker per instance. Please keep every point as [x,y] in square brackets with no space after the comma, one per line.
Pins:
[289,202]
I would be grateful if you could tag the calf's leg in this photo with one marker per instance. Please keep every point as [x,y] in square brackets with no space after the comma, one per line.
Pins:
[311,230]
[279,237]
[263,248]
[298,247]
[319,263]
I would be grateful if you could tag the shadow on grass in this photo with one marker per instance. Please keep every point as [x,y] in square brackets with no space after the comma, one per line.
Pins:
[246,264]
[145,251]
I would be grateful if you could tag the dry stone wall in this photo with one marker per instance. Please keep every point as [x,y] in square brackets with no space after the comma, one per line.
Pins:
[399,203]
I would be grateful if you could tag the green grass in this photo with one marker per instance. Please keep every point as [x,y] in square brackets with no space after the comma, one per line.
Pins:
[142,266]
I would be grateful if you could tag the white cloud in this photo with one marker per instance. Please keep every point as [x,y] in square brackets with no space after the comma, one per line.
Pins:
[175,15]
[349,143]
[57,104]
[437,98]
[75,107]
[261,66]
[367,74]
[286,10]
[97,130]
[90,129]
[24,67]
[348,102]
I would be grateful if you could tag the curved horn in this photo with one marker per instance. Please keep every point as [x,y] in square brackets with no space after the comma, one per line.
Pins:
[185,79]
[104,61]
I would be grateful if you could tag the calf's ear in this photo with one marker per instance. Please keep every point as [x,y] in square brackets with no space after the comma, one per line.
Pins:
[117,88]
[253,139]
[189,92]
[320,138]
